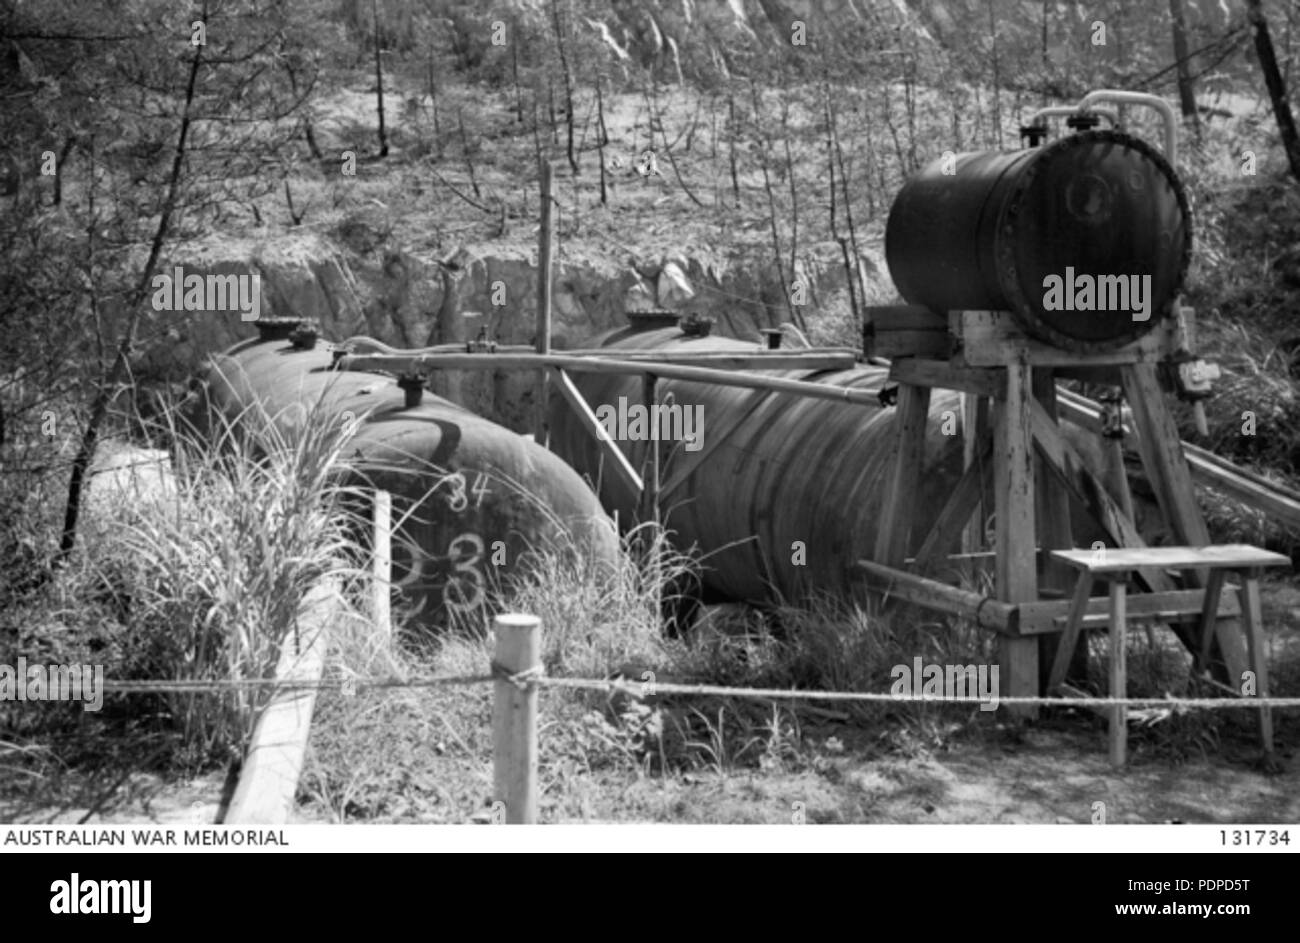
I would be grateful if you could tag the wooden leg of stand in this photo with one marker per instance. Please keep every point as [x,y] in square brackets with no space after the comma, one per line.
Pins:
[899,504]
[1017,579]
[974,429]
[1166,467]
[1254,625]
[1052,511]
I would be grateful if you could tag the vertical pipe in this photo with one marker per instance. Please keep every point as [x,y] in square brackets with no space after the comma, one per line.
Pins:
[650,398]
[514,718]
[382,562]
[545,259]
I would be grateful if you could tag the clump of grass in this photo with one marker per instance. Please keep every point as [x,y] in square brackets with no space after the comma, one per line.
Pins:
[595,623]
[819,643]
[205,577]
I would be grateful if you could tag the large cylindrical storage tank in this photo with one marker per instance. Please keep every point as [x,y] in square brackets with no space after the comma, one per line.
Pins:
[783,493]
[987,230]
[470,498]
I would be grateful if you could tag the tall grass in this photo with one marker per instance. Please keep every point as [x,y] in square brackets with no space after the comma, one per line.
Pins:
[204,570]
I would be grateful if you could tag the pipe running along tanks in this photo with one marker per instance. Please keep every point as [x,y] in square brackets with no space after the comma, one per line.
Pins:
[469,498]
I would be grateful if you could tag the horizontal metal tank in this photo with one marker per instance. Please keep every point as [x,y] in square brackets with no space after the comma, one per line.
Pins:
[985,231]
[784,491]
[470,498]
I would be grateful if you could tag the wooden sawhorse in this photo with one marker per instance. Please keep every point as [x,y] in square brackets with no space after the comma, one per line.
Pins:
[1117,566]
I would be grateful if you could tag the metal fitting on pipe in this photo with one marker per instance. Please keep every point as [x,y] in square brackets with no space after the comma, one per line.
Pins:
[412,384]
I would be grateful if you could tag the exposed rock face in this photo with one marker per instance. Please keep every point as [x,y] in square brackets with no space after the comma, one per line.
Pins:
[407,300]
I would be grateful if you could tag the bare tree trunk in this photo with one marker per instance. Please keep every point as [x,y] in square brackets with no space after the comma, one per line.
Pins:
[308,133]
[1186,88]
[135,303]
[602,138]
[832,155]
[997,80]
[514,69]
[379,82]
[794,193]
[465,153]
[537,137]
[1046,64]
[771,204]
[731,143]
[568,82]
[433,105]
[1276,87]
[550,105]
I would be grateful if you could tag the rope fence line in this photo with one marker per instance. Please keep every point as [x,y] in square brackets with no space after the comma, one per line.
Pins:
[641,690]
[273,763]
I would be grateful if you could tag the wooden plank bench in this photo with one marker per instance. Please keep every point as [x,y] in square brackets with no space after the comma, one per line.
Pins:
[1116,566]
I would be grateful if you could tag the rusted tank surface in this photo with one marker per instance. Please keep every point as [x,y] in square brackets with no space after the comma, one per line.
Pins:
[783,492]
[470,498]
[1063,236]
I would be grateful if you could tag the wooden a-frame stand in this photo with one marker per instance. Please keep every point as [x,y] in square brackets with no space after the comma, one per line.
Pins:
[1036,471]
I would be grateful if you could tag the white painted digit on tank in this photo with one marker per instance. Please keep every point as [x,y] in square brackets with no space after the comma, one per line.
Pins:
[464,570]
[414,560]
[457,500]
[480,488]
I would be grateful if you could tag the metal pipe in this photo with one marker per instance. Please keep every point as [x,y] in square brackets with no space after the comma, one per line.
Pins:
[1121,97]
[774,357]
[751,381]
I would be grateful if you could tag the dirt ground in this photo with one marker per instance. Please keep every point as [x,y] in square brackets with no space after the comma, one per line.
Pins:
[1053,777]
[1051,772]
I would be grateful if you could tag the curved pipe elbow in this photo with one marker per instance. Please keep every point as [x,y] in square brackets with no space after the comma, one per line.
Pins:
[1121,97]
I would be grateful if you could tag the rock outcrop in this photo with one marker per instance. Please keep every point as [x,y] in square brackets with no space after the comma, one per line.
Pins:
[357,285]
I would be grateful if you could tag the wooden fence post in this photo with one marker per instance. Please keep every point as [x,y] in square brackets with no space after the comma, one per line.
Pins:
[514,718]
[382,563]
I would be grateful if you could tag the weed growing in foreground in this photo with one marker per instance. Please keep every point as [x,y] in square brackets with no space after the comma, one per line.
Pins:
[196,576]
